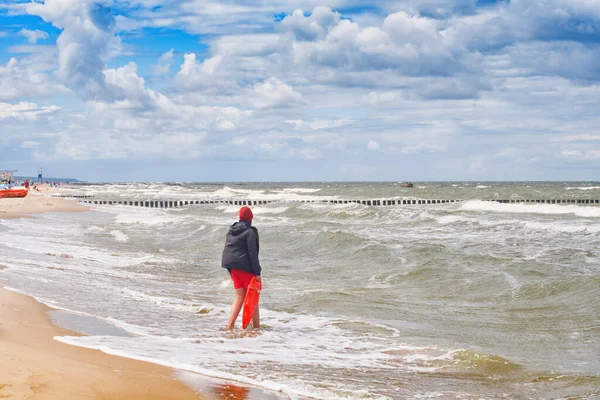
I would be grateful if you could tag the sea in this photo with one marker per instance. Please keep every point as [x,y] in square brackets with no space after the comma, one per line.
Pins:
[472,299]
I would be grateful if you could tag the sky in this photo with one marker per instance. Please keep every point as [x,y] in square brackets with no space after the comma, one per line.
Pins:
[301,90]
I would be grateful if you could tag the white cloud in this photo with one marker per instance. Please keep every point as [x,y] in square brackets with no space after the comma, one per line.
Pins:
[406,51]
[424,57]
[581,155]
[129,88]
[24,110]
[45,50]
[141,122]
[409,45]
[510,152]
[210,17]
[34,36]
[207,76]
[20,80]
[502,85]
[423,148]
[373,145]
[261,44]
[312,27]
[281,149]
[568,59]
[80,146]
[86,41]
[164,63]
[275,93]
[30,144]
[317,124]
[578,138]
[224,125]
[571,153]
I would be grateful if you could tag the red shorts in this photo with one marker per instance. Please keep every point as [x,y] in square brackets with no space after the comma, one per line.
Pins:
[241,279]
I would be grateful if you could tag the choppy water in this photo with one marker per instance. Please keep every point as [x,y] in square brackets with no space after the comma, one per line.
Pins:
[464,300]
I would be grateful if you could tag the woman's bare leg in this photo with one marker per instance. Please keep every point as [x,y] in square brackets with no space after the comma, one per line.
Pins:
[256,319]
[240,295]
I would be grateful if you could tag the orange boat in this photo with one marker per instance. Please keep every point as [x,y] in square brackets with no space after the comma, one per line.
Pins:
[13,193]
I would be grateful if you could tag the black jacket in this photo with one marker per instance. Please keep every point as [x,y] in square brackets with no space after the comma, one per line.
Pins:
[241,248]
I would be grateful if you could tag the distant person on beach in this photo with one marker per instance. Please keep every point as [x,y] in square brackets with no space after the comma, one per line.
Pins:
[240,258]
[26,183]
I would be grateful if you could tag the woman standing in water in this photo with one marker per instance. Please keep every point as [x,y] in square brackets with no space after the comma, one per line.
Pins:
[240,258]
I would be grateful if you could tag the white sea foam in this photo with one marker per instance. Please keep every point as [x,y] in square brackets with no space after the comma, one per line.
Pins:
[564,228]
[145,216]
[331,206]
[194,192]
[298,190]
[523,208]
[226,283]
[452,219]
[257,210]
[131,328]
[113,345]
[120,236]
[584,188]
[228,192]
[269,210]
[167,302]
[95,229]
[570,227]
[292,340]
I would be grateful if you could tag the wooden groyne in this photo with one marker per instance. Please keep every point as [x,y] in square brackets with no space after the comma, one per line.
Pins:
[73,196]
[553,201]
[371,202]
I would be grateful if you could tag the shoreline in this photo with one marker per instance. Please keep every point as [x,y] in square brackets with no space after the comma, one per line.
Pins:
[40,367]
[37,366]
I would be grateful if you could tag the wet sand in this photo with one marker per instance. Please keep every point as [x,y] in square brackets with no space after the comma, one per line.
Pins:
[35,366]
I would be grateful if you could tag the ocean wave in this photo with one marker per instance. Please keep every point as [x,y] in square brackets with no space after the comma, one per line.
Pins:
[298,190]
[168,302]
[522,208]
[583,188]
[120,236]
[256,210]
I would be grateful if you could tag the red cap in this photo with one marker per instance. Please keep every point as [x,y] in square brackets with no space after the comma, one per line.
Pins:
[246,214]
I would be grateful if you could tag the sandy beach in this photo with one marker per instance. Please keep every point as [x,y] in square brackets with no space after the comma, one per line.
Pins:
[35,366]
[37,202]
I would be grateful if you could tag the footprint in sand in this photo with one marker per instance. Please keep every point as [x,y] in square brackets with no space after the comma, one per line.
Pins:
[3,393]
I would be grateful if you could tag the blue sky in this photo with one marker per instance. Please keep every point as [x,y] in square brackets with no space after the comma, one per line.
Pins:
[343,90]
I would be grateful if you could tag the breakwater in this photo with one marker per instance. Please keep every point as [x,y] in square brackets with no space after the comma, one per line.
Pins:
[370,202]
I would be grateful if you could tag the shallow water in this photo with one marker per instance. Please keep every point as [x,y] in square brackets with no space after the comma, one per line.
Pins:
[464,300]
